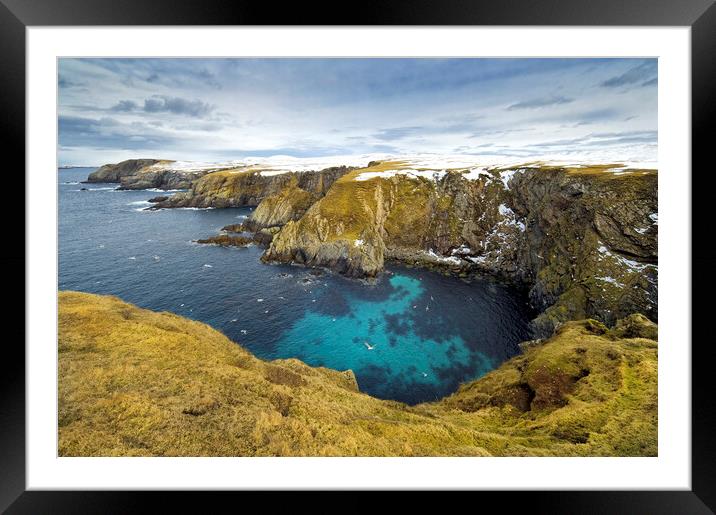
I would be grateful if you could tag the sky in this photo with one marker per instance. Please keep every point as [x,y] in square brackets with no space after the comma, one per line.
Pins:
[228,109]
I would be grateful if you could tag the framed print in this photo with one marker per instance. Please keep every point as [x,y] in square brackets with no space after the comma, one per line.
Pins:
[437,253]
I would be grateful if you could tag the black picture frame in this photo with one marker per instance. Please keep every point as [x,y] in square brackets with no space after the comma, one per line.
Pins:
[700,15]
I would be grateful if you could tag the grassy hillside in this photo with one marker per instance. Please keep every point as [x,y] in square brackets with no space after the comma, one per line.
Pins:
[135,382]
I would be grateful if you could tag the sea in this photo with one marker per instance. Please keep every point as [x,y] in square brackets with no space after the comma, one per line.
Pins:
[411,335]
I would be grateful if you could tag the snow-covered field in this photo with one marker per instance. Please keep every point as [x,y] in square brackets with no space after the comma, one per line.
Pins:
[430,166]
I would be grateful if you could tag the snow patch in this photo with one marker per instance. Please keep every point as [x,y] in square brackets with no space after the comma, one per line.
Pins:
[510,217]
[411,173]
[507,175]
[271,173]
[478,259]
[453,260]
[629,263]
[475,173]
[462,250]
[610,280]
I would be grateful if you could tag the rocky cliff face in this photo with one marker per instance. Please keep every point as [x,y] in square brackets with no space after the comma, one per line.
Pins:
[248,186]
[141,174]
[291,203]
[115,172]
[187,390]
[583,240]
[161,178]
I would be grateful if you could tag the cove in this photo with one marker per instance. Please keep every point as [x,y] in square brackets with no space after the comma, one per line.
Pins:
[406,343]
[411,336]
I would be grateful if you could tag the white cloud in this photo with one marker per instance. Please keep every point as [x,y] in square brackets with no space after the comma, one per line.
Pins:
[214,109]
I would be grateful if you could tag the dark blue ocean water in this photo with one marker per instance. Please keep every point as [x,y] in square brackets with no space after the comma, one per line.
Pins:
[412,336]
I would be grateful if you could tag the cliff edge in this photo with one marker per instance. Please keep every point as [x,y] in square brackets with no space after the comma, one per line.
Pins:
[133,382]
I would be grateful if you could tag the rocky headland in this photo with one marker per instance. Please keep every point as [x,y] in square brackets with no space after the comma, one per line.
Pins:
[133,382]
[581,239]
[289,194]
[142,174]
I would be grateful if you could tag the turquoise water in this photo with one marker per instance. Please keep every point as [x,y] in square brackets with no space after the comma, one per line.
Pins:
[376,340]
[427,333]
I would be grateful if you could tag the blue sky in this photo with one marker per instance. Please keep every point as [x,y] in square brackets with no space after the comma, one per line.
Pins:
[220,109]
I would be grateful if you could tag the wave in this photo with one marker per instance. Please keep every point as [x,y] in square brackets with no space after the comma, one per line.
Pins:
[140,203]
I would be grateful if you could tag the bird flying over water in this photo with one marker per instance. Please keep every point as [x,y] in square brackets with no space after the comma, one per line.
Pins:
[369,346]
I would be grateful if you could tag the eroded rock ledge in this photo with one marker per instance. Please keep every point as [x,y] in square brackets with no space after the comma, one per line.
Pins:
[186,390]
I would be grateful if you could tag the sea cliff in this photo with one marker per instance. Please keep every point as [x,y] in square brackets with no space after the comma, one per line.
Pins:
[250,185]
[581,239]
[142,174]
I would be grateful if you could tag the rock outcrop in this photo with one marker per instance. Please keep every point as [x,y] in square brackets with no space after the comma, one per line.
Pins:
[248,186]
[583,240]
[142,174]
[280,208]
[115,172]
[160,177]
[226,240]
[187,390]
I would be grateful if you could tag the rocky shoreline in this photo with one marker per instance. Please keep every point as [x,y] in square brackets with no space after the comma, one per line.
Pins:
[143,174]
[582,240]
[289,193]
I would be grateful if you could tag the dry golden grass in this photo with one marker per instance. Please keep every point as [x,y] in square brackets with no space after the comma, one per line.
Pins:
[134,382]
